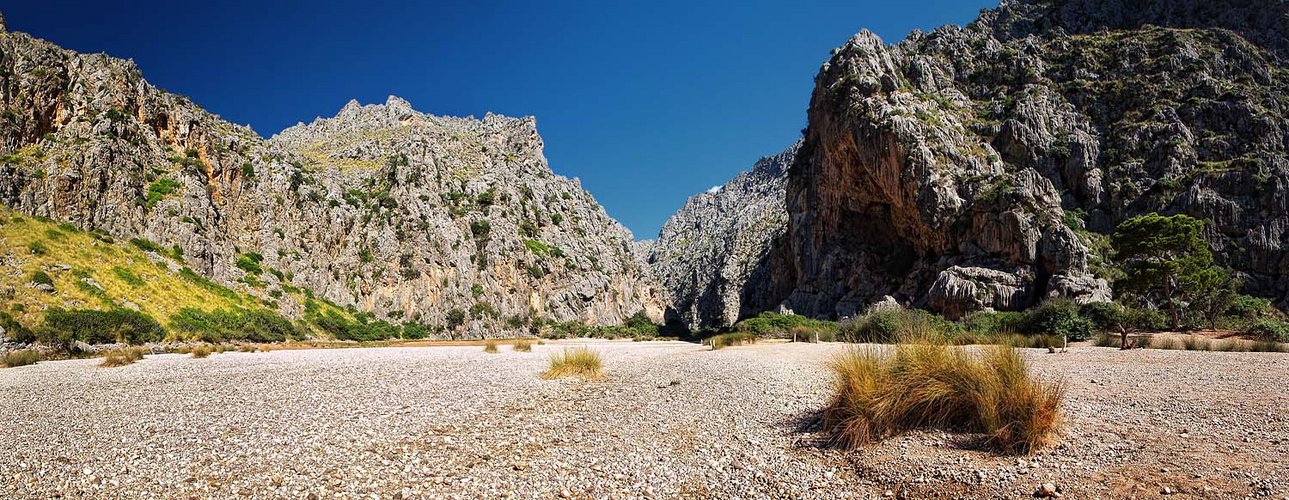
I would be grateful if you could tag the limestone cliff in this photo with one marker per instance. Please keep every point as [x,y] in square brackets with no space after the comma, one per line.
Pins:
[403,214]
[711,254]
[981,166]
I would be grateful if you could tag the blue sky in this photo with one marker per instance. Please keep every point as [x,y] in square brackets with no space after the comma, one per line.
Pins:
[646,102]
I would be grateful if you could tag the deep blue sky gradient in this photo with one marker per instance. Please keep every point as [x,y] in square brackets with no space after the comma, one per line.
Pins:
[646,102]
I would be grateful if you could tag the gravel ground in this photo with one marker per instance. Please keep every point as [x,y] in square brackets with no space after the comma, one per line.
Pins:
[671,420]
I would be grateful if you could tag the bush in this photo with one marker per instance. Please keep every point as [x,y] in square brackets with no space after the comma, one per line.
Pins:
[201,351]
[14,330]
[99,327]
[1269,330]
[523,345]
[731,339]
[1248,307]
[995,322]
[1105,316]
[775,324]
[19,358]
[880,395]
[1059,317]
[490,347]
[225,325]
[575,362]
[1144,320]
[363,327]
[41,278]
[898,325]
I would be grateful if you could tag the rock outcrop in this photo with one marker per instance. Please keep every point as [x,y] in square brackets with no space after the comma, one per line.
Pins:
[709,251]
[406,215]
[982,166]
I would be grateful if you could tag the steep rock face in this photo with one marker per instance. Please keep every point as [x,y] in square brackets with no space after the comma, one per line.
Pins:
[979,166]
[396,212]
[713,248]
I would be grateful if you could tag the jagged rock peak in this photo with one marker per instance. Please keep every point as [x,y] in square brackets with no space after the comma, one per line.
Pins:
[710,256]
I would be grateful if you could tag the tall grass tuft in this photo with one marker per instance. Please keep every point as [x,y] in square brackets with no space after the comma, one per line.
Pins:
[122,357]
[575,362]
[731,339]
[201,351]
[524,345]
[879,395]
[1197,343]
[490,347]
[19,358]
[1169,343]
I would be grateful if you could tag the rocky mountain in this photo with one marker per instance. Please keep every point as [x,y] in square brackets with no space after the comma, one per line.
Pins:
[455,223]
[712,248]
[982,166]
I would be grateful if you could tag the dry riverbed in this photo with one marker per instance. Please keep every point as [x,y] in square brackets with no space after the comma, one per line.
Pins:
[671,419]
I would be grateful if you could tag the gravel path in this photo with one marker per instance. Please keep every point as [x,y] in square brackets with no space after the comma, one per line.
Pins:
[672,419]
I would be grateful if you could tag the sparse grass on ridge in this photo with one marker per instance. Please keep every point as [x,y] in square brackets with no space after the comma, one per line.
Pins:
[880,394]
[575,362]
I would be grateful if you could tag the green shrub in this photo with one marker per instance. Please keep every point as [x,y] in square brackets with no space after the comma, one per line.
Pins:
[250,262]
[127,276]
[890,325]
[776,324]
[19,358]
[994,323]
[41,278]
[1269,330]
[14,330]
[160,189]
[415,331]
[146,245]
[99,327]
[1105,316]
[363,328]
[1059,317]
[1248,307]
[225,325]
[1144,320]
[37,248]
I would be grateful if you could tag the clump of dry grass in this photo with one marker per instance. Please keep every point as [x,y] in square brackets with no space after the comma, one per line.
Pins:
[1197,343]
[523,345]
[1169,343]
[880,395]
[246,348]
[731,339]
[201,351]
[19,358]
[575,362]
[490,347]
[122,357]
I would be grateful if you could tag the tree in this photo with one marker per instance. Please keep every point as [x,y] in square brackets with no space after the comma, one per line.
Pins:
[1164,258]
